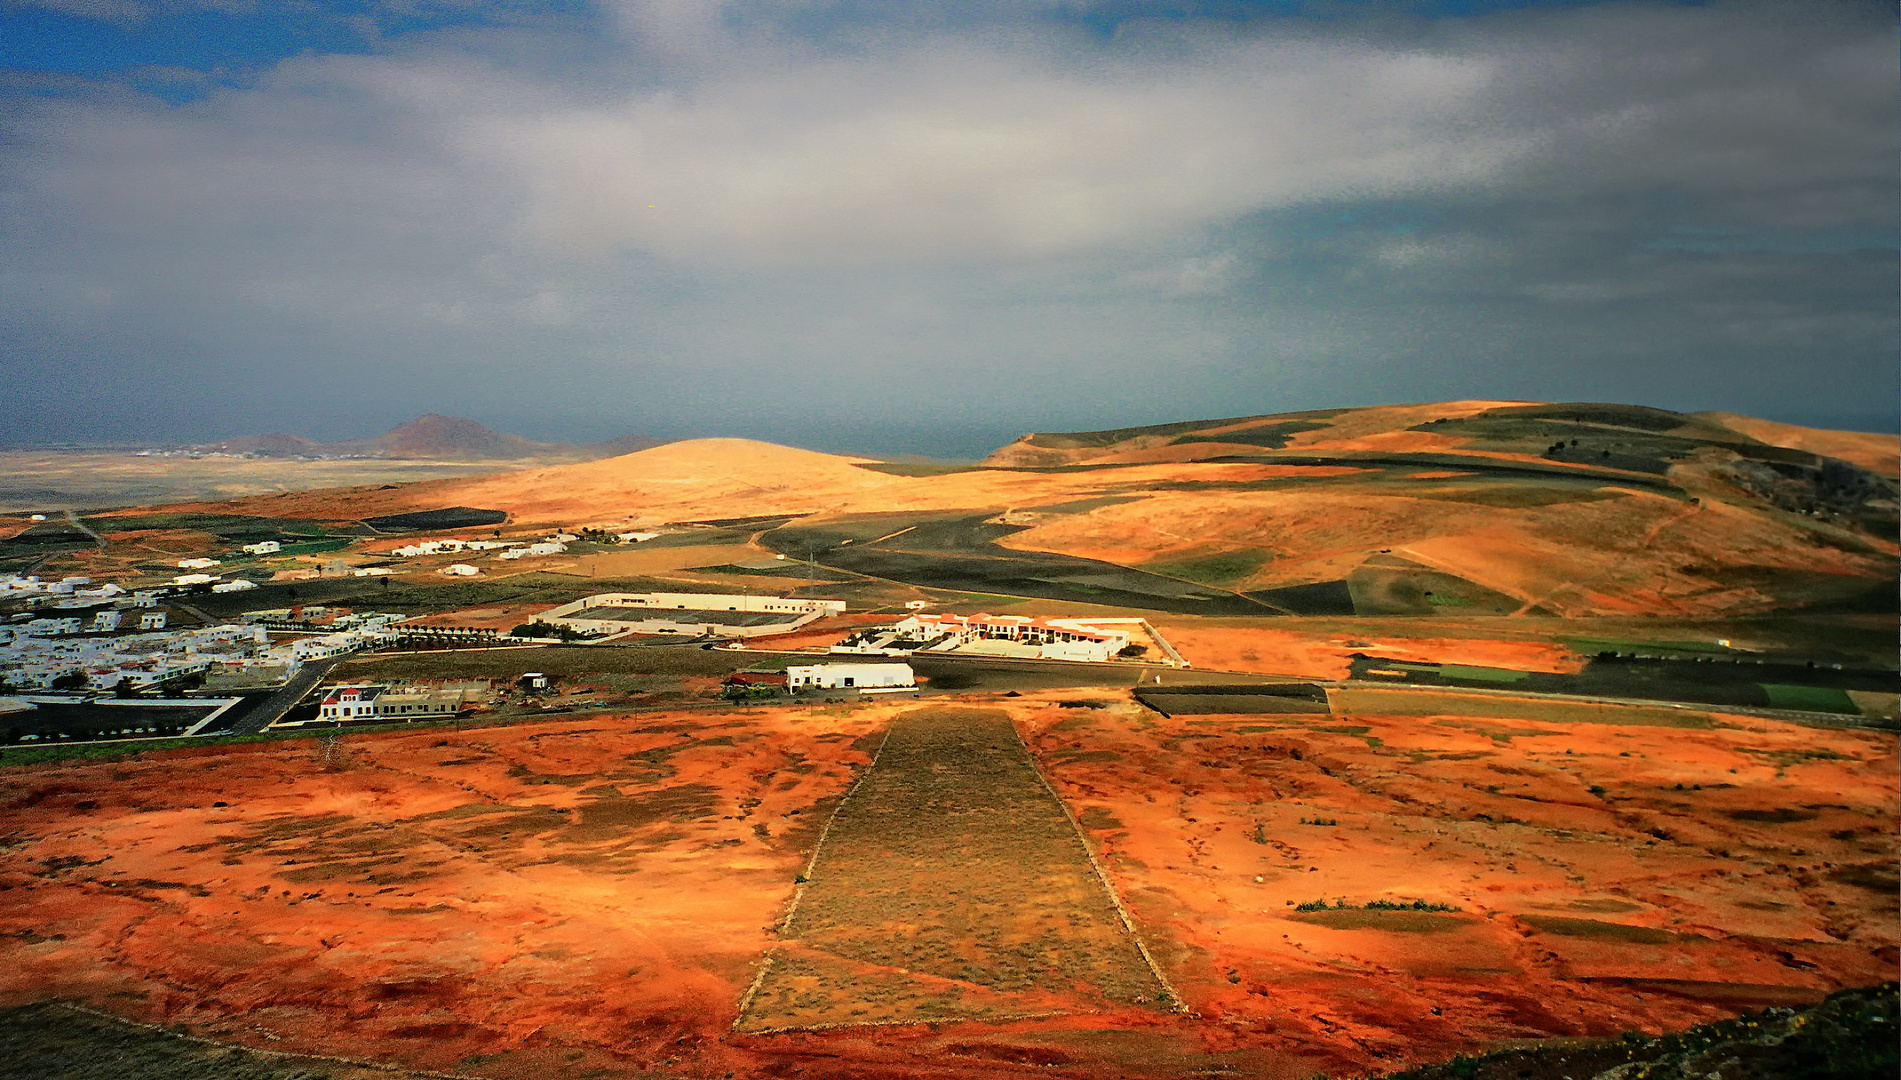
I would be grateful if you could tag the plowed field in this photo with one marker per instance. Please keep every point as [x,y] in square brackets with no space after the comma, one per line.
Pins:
[951,884]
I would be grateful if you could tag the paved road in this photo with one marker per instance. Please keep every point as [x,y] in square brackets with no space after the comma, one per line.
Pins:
[266,712]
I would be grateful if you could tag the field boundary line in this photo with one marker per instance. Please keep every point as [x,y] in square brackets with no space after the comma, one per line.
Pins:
[1788,716]
[201,1040]
[805,877]
[1102,877]
[843,1024]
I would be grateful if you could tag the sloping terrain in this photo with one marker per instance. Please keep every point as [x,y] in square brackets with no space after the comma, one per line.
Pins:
[430,437]
[1462,508]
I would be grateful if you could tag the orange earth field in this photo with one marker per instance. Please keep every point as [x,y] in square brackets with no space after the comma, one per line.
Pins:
[593,896]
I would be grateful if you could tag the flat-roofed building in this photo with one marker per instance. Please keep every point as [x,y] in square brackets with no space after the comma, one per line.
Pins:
[383,702]
[1006,635]
[708,614]
[864,678]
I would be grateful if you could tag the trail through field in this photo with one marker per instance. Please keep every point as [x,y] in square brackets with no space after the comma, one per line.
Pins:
[951,884]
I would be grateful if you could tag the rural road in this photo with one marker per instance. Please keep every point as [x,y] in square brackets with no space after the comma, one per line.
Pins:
[73,520]
[266,712]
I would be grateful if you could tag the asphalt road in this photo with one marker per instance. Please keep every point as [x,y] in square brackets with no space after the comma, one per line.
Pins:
[266,712]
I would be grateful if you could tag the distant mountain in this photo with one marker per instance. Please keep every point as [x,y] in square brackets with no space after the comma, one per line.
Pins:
[276,444]
[432,437]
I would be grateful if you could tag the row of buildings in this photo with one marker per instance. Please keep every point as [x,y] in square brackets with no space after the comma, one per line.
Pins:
[37,654]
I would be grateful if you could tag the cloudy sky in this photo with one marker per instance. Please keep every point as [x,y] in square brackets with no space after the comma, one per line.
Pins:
[929,225]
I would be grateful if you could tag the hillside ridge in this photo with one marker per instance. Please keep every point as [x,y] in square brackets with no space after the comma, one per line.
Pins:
[431,437]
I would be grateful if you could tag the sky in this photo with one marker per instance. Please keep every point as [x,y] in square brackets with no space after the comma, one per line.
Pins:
[929,226]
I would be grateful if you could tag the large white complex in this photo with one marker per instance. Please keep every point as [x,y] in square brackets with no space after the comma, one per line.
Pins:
[1006,635]
[711,614]
[864,678]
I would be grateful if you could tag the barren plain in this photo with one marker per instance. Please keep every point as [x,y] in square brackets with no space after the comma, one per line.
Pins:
[562,898]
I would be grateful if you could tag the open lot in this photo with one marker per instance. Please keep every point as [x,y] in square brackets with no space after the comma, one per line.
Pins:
[1645,873]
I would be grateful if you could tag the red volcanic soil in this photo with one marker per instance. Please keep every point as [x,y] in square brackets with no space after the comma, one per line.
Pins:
[439,899]
[1607,876]
[1324,648]
[593,897]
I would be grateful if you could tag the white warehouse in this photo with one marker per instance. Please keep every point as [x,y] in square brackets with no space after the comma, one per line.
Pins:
[864,678]
[710,614]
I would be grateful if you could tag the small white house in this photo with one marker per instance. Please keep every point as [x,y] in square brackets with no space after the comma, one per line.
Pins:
[235,585]
[198,564]
[864,678]
[461,570]
[546,547]
[263,547]
[152,620]
[103,621]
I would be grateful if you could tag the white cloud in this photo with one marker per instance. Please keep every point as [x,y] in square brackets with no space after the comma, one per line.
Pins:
[943,153]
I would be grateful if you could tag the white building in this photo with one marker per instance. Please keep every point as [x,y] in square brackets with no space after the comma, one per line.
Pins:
[1092,640]
[379,702]
[864,678]
[461,570]
[140,659]
[262,547]
[635,537]
[52,627]
[430,547]
[545,547]
[711,614]
[238,585]
[152,620]
[105,621]
[198,564]
[323,646]
[193,579]
[371,571]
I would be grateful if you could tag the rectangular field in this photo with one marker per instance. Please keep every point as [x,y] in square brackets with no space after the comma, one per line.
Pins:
[950,884]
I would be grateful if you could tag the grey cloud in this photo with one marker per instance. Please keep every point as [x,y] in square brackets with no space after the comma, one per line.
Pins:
[728,231]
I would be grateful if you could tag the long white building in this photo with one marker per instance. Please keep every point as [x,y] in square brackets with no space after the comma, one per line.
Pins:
[864,678]
[711,614]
